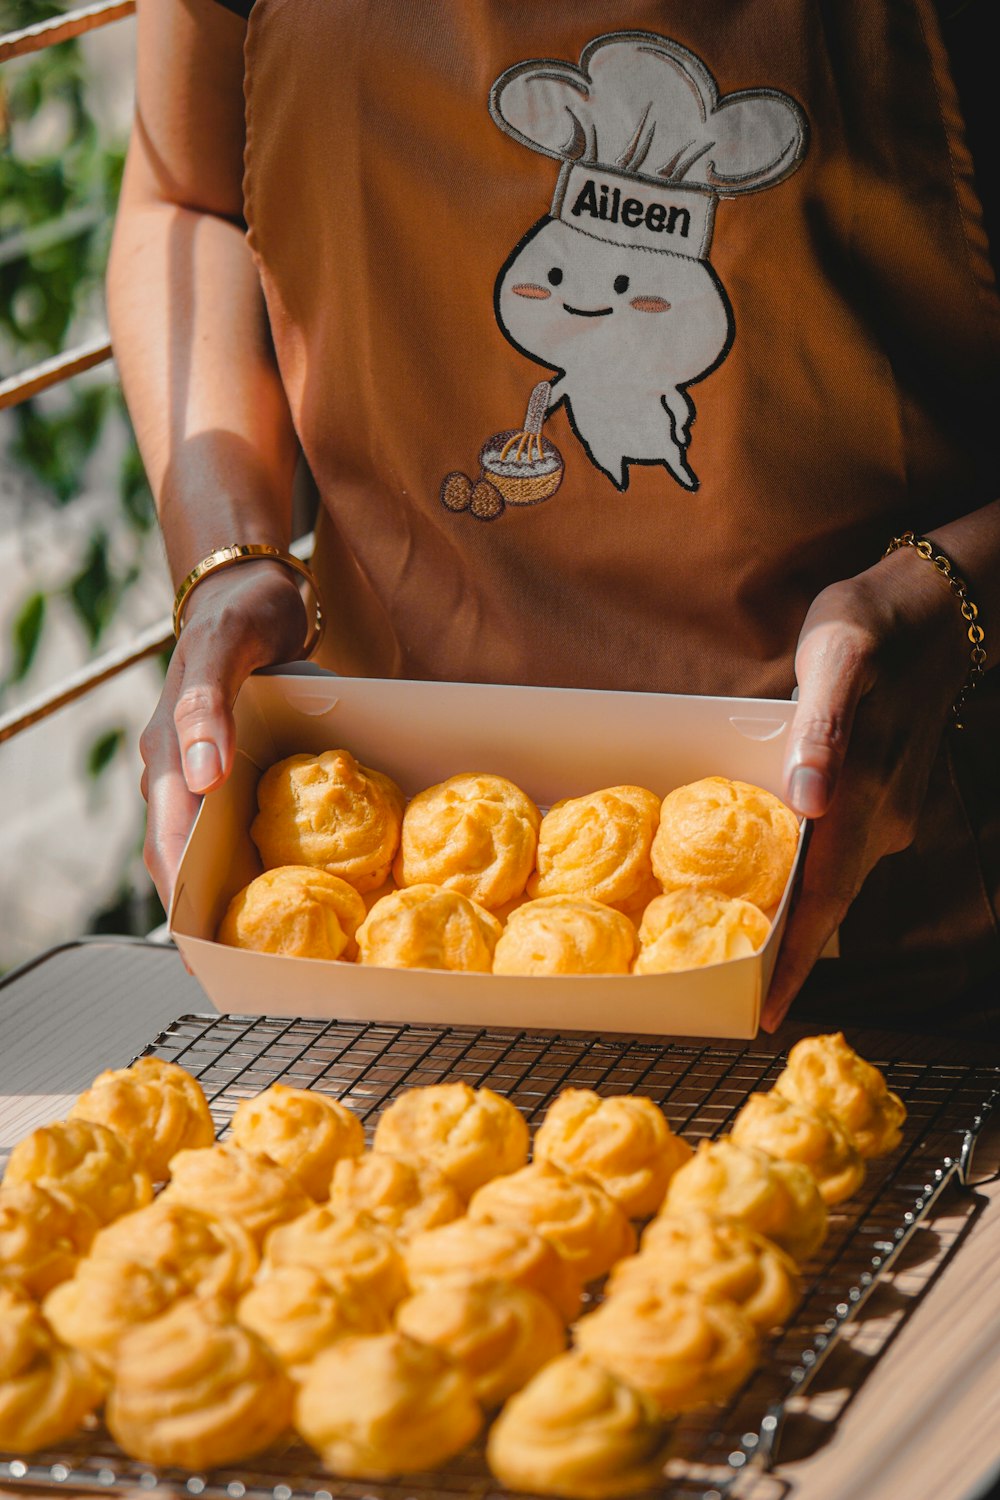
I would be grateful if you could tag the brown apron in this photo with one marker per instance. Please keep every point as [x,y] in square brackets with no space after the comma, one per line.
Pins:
[613,332]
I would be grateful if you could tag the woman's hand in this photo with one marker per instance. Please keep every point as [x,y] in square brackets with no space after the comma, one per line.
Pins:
[240,619]
[880,661]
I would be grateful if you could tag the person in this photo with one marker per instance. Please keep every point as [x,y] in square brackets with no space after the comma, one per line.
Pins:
[623,344]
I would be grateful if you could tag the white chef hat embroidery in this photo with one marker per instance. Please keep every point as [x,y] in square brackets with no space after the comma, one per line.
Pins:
[647,143]
[647,146]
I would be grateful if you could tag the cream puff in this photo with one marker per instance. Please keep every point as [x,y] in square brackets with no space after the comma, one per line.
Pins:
[403,1194]
[791,1132]
[499,1333]
[726,836]
[623,1141]
[46,1391]
[778,1199]
[579,1219]
[565,935]
[385,1405]
[295,910]
[225,1180]
[471,1135]
[679,1348]
[346,1248]
[689,929]
[577,1431]
[212,1255]
[428,927]
[195,1389]
[599,846]
[471,1251]
[86,1162]
[475,834]
[331,812]
[305,1131]
[156,1107]
[720,1259]
[824,1072]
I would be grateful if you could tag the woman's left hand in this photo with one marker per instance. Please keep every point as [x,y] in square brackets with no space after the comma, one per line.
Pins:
[880,661]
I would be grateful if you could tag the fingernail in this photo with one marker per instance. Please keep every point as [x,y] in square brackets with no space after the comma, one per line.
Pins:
[202,765]
[807,790]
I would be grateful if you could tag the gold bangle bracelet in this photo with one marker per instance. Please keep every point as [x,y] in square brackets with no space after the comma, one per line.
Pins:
[228,557]
[970,613]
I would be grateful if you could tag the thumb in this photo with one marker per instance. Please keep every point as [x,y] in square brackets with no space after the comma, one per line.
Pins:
[203,712]
[831,672]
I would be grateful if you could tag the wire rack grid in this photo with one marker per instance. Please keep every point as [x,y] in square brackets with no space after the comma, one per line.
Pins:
[700,1088]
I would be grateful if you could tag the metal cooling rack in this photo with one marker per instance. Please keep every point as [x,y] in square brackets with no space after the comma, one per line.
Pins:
[700,1089]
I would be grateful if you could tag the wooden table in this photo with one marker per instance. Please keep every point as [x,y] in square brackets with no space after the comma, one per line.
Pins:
[915,1417]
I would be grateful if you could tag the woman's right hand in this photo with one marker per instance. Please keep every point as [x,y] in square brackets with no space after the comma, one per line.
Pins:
[240,619]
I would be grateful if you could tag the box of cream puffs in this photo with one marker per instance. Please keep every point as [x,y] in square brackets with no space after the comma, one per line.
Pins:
[465,853]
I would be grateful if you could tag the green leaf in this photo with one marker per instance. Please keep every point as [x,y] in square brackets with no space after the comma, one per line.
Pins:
[93,591]
[103,751]
[26,633]
[55,446]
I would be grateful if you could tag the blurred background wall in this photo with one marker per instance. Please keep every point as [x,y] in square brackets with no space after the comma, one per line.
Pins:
[81,566]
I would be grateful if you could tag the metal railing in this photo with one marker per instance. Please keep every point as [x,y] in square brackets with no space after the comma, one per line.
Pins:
[152,641]
[54,371]
[63,366]
[61,28]
[159,636]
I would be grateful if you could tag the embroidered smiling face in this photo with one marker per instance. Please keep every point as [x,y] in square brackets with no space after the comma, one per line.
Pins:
[626,328]
[564,298]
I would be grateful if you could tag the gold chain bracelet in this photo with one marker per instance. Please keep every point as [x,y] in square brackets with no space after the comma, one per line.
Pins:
[227,557]
[970,613]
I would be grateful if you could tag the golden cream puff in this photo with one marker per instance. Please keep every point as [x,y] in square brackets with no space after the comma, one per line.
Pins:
[403,1194]
[84,1161]
[824,1072]
[156,1107]
[43,1234]
[105,1300]
[689,929]
[474,833]
[577,1431]
[195,1389]
[469,1134]
[679,1348]
[499,1333]
[346,1248]
[792,1132]
[468,1250]
[565,935]
[305,1131]
[46,1391]
[623,1141]
[579,1219]
[298,1314]
[225,1180]
[385,1405]
[720,1259]
[778,1199]
[295,910]
[210,1254]
[599,846]
[726,836]
[331,812]
[428,927]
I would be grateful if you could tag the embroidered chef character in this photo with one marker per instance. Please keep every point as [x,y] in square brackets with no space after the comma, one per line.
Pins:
[613,289]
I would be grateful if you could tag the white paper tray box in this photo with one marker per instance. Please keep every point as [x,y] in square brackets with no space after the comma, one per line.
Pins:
[552,742]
